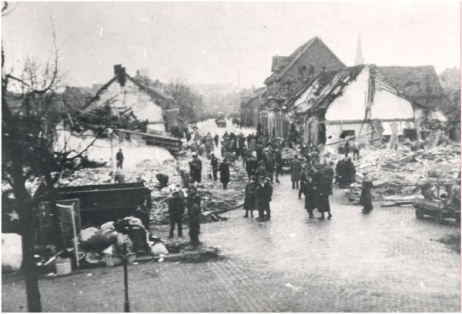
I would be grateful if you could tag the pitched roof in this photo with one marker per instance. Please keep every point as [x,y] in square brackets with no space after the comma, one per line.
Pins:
[152,91]
[329,85]
[282,64]
[419,84]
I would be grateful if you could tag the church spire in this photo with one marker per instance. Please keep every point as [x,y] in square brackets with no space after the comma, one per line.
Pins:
[359,53]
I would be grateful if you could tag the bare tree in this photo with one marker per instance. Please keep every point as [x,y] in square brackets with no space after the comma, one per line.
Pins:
[190,103]
[28,120]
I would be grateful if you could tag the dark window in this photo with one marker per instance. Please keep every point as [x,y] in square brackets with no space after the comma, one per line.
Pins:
[346,133]
[311,69]
[410,134]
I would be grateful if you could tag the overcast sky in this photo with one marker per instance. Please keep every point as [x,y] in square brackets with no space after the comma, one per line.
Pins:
[213,42]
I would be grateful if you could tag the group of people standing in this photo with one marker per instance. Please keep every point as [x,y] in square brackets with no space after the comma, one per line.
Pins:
[177,203]
[315,181]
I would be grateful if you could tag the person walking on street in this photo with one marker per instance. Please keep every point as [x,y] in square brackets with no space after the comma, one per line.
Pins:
[216,139]
[311,199]
[322,193]
[120,159]
[176,211]
[224,173]
[195,168]
[194,221]
[250,197]
[296,170]
[264,196]
[366,197]
[214,164]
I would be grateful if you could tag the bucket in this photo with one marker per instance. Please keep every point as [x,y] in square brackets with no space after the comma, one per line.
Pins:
[63,266]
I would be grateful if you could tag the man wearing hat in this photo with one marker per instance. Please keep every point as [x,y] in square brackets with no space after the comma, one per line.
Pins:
[224,173]
[264,195]
[195,168]
[176,211]
[214,164]
[252,164]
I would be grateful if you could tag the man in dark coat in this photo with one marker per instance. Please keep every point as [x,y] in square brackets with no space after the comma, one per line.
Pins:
[216,139]
[341,174]
[251,165]
[250,197]
[350,172]
[224,173]
[214,164]
[120,159]
[264,196]
[322,186]
[195,169]
[296,170]
[176,211]
[194,221]
[366,197]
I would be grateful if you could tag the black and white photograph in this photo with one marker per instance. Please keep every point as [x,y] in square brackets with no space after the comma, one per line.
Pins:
[235,156]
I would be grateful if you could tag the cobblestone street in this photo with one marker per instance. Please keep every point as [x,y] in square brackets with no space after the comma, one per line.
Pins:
[386,261]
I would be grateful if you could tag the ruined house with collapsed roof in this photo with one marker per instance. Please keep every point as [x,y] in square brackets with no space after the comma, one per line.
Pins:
[288,74]
[133,105]
[421,85]
[356,102]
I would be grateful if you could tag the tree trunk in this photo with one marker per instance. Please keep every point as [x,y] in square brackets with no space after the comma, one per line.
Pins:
[30,271]
[26,213]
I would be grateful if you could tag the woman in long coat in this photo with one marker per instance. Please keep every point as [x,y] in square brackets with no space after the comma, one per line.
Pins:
[250,197]
[224,173]
[366,197]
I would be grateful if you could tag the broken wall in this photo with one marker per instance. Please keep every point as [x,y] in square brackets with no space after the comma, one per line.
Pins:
[388,106]
[131,95]
[351,105]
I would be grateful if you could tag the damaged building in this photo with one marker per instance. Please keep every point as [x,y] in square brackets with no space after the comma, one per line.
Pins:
[356,101]
[129,99]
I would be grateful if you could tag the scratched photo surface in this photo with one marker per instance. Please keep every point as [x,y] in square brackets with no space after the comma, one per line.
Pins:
[231,156]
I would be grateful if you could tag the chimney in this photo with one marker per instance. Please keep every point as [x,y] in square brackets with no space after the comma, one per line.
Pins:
[119,71]
[117,68]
